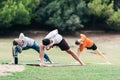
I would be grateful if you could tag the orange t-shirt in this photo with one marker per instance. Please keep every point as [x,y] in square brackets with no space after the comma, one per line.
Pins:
[87,43]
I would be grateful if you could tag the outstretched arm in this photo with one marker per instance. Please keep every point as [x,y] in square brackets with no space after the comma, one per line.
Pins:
[12,61]
[41,55]
[12,50]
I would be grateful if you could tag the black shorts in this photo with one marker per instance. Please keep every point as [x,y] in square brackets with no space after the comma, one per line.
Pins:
[94,47]
[63,45]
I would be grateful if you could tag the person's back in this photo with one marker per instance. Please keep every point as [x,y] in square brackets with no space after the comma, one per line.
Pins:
[54,36]
[87,43]
[27,41]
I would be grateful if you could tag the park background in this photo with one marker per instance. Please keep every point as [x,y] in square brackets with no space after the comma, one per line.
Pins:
[98,19]
[65,15]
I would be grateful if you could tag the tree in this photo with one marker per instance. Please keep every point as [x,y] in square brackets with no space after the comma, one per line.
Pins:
[114,20]
[7,14]
[117,4]
[61,14]
[17,12]
[22,15]
[100,10]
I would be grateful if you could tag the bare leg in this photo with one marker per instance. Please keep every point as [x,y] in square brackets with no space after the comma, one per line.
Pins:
[74,56]
[102,56]
[78,52]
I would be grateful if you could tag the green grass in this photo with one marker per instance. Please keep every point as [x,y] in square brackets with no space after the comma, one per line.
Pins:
[92,71]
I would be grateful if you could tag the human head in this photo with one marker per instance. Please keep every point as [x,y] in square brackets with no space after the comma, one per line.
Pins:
[46,42]
[18,42]
[15,42]
[79,41]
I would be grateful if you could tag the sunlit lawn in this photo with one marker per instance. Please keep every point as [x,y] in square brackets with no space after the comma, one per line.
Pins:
[94,70]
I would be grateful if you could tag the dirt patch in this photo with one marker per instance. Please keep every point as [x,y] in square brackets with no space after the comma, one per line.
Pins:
[6,69]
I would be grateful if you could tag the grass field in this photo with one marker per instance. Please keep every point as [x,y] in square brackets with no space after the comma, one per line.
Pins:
[94,70]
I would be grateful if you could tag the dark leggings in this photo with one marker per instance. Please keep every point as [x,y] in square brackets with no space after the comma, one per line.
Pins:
[46,57]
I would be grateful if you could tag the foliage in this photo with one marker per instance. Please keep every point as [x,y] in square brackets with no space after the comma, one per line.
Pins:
[7,13]
[61,15]
[117,4]
[114,20]
[17,12]
[22,15]
[72,15]
[68,15]
[101,10]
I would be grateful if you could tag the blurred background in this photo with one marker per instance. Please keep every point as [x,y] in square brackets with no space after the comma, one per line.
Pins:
[65,15]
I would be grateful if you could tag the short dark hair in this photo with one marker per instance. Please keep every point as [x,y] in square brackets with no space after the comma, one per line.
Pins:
[46,42]
[15,42]
[77,42]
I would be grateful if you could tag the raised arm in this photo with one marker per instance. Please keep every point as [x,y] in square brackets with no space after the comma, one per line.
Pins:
[12,61]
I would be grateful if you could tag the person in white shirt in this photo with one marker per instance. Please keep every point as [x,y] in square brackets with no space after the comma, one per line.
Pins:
[55,39]
[25,43]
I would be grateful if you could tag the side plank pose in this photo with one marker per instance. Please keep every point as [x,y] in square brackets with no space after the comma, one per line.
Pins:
[55,39]
[25,43]
[84,42]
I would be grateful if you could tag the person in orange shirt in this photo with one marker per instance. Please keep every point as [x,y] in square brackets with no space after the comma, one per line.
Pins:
[85,42]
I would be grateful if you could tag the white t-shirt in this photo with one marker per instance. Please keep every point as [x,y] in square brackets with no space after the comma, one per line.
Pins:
[55,37]
[27,41]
